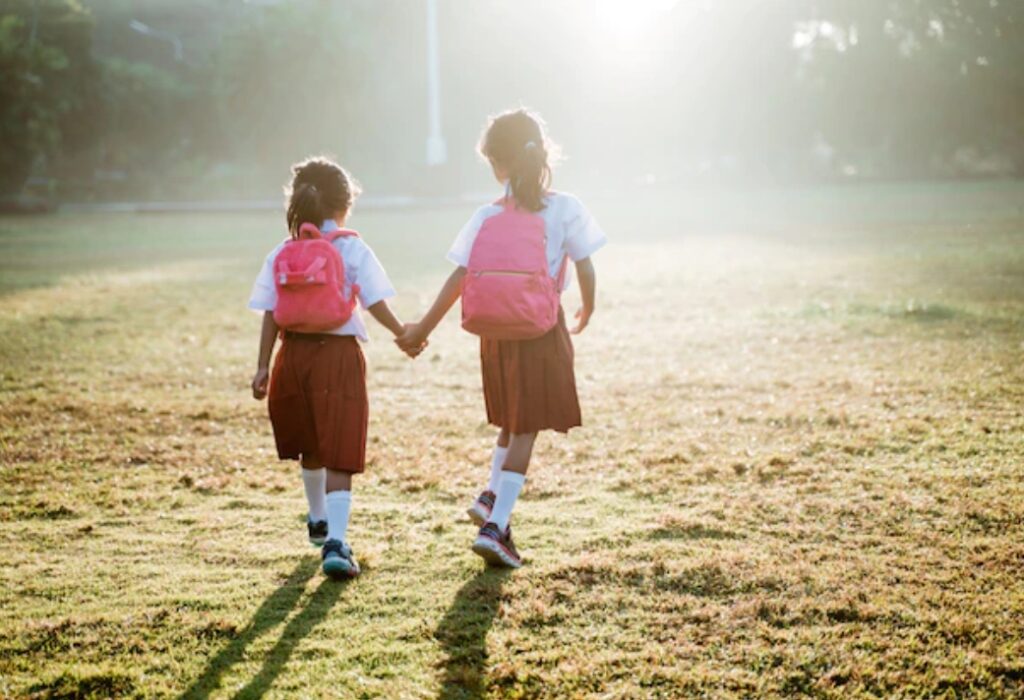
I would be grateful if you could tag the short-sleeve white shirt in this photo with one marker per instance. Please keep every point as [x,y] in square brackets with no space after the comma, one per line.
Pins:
[570,229]
[361,268]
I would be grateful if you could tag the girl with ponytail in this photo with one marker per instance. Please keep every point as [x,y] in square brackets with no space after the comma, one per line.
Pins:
[528,378]
[317,390]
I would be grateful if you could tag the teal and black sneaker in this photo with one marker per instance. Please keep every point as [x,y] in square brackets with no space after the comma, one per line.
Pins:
[481,508]
[317,532]
[496,547]
[339,563]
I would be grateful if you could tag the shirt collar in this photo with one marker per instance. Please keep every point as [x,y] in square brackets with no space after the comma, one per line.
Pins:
[329,225]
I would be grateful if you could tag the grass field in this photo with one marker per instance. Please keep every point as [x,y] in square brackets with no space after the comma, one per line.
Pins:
[801,471]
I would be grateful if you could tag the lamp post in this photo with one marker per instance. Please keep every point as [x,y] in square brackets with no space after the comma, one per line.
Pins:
[437,152]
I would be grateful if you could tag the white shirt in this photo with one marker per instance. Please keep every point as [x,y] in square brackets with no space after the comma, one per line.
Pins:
[361,268]
[570,229]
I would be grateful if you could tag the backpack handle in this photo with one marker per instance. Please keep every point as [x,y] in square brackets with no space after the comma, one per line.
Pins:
[308,230]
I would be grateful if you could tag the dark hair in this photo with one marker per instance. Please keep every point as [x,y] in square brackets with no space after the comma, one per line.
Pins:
[515,142]
[320,189]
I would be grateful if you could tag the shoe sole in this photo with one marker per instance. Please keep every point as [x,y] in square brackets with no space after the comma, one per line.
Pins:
[339,570]
[494,554]
[478,516]
[317,543]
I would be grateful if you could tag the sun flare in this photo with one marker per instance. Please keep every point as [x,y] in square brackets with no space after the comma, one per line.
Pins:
[624,25]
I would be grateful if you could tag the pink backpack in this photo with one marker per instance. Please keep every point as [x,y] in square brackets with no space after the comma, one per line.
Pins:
[507,293]
[309,275]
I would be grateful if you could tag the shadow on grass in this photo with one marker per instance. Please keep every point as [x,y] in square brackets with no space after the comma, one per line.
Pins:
[272,612]
[463,634]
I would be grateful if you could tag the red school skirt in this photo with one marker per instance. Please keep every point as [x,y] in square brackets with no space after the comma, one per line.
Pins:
[530,385]
[317,400]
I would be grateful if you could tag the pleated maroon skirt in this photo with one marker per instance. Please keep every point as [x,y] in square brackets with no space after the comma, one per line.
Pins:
[530,385]
[317,400]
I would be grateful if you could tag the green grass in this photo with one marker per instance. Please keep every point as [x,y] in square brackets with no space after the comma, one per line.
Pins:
[800,473]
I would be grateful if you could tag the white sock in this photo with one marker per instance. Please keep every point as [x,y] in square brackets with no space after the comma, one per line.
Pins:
[315,481]
[508,491]
[497,462]
[339,507]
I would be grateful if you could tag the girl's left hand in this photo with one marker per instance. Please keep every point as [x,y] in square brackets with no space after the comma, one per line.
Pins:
[582,319]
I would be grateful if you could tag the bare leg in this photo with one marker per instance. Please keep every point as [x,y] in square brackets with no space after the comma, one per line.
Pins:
[520,449]
[338,481]
[503,437]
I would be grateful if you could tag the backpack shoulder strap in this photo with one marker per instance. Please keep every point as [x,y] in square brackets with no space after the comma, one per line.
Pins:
[335,236]
[341,233]
[560,280]
[506,203]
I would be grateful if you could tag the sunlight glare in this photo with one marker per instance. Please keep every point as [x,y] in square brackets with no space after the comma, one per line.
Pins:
[623,24]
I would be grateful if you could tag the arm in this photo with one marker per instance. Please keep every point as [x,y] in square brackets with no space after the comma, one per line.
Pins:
[588,288]
[417,333]
[386,317]
[268,336]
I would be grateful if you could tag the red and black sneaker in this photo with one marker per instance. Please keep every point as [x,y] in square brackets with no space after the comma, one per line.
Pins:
[481,508]
[496,547]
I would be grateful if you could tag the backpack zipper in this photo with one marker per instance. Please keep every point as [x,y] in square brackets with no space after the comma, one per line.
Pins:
[504,273]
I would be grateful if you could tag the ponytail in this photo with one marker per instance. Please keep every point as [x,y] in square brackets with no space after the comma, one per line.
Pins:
[530,177]
[304,207]
[515,142]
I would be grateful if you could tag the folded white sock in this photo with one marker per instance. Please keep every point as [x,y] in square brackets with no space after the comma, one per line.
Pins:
[509,487]
[339,507]
[497,462]
[315,483]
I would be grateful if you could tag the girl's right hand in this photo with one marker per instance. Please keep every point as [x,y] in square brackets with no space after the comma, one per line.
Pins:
[582,319]
[260,380]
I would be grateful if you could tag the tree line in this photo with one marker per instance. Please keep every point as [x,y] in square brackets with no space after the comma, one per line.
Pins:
[185,98]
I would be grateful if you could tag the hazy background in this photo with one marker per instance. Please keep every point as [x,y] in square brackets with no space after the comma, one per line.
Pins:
[107,100]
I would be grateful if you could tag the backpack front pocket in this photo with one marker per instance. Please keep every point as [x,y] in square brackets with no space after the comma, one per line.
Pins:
[508,304]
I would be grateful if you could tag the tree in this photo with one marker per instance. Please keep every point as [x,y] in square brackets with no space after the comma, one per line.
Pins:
[49,78]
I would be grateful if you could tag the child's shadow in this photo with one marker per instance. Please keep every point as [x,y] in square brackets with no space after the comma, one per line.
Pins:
[272,612]
[463,634]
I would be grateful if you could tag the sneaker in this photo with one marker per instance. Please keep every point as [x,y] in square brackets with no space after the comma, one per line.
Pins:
[481,508]
[317,532]
[338,560]
[496,548]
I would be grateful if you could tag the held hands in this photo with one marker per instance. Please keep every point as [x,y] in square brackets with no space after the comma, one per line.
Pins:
[582,319]
[260,380]
[412,341]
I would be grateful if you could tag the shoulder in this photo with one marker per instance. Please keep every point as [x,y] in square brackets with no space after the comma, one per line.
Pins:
[564,202]
[472,227]
[484,212]
[351,244]
[558,197]
[272,255]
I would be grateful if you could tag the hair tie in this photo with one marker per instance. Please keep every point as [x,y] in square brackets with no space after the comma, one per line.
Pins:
[529,145]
